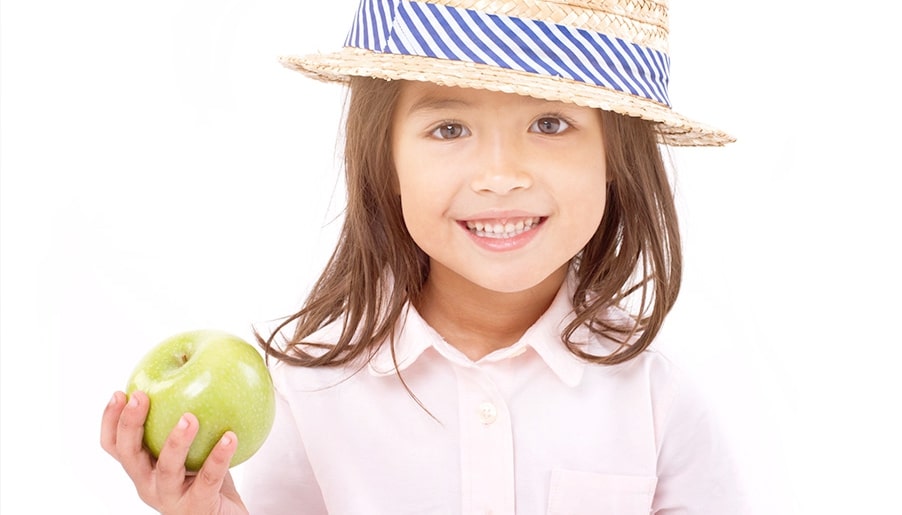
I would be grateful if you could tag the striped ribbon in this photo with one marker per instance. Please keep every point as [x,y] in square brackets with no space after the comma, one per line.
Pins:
[431,30]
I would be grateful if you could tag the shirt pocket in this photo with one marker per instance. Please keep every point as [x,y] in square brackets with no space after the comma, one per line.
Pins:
[582,493]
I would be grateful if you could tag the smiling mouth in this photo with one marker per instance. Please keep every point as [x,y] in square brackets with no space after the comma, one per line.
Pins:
[504,227]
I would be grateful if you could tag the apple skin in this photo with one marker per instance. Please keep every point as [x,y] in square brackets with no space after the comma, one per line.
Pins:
[218,377]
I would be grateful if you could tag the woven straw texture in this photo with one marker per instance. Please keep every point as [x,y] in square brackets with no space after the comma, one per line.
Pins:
[639,21]
[643,22]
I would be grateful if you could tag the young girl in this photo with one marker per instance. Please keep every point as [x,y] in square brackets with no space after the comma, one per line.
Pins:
[479,341]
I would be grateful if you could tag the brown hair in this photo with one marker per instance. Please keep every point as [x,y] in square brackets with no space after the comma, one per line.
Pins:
[376,269]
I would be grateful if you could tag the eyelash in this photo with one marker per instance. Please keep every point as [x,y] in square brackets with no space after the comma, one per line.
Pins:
[436,131]
[554,116]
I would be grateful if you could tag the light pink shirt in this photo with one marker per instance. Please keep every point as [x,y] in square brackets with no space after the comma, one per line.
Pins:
[528,429]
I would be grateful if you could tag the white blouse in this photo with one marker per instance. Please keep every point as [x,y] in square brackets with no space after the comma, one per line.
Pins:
[528,429]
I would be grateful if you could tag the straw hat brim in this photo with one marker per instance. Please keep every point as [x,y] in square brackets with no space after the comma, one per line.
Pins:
[673,128]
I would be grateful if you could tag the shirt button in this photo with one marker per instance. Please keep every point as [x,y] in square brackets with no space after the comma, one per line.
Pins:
[488,413]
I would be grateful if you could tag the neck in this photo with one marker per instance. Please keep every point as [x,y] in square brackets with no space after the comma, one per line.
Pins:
[478,321]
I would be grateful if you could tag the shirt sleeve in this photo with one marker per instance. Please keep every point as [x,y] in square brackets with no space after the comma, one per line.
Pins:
[696,472]
[278,479]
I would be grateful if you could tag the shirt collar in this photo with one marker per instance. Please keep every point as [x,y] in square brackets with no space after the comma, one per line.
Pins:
[544,337]
[415,336]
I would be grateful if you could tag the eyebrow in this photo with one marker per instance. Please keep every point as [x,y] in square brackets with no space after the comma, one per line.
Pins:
[431,103]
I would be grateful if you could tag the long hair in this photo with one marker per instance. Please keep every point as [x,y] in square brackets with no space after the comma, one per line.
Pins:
[376,269]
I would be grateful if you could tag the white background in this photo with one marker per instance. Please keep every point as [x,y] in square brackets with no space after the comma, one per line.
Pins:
[162,172]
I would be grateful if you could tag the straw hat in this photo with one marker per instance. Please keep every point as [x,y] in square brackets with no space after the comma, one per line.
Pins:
[607,54]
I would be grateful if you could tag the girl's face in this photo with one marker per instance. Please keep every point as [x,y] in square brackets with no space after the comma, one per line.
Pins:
[498,189]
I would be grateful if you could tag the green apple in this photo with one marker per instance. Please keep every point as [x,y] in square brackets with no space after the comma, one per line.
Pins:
[218,377]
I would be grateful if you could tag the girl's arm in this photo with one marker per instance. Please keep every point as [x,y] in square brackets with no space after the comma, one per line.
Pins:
[696,470]
[164,483]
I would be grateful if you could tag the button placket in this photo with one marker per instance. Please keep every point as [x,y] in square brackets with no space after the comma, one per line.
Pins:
[487,461]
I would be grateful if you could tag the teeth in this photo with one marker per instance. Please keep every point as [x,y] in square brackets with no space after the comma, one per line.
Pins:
[502,228]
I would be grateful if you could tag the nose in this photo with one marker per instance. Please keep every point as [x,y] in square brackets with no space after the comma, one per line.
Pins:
[502,166]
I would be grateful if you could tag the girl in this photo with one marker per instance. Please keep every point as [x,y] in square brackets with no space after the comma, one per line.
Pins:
[479,341]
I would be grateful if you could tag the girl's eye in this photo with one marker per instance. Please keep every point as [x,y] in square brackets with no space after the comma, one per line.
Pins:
[450,131]
[549,125]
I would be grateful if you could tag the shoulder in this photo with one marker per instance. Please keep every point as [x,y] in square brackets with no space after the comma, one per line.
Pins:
[651,366]
[288,377]
[296,378]
[682,412]
[652,379]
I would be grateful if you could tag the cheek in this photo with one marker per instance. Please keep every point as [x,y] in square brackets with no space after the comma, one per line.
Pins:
[426,185]
[412,168]
[421,206]
[420,193]
[584,202]
[591,210]
[584,178]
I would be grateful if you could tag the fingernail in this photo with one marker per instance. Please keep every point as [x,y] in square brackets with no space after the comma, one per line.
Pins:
[113,400]
[225,441]
[183,423]
[133,401]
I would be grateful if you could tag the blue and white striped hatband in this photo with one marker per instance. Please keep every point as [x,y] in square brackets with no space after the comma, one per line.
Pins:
[606,54]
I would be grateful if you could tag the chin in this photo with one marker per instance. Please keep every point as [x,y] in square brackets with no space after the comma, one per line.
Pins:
[512,282]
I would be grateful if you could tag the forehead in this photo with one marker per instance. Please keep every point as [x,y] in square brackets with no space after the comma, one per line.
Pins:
[419,96]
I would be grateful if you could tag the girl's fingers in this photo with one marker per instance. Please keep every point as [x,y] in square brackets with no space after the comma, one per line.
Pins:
[162,482]
[130,429]
[171,462]
[129,438]
[110,423]
[209,480]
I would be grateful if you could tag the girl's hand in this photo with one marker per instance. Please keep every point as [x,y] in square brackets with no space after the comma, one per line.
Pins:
[164,484]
